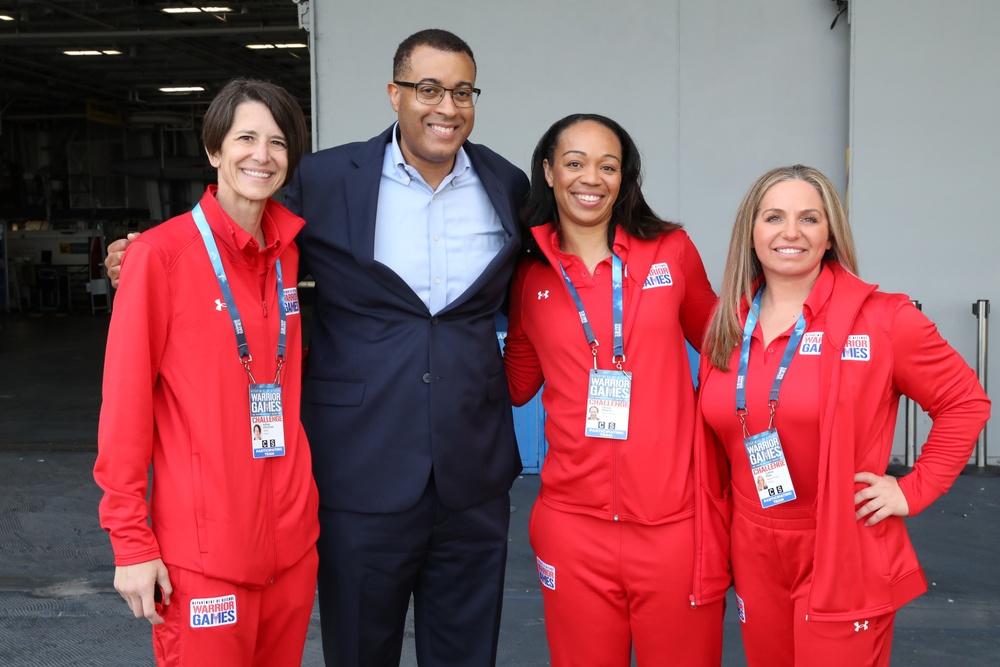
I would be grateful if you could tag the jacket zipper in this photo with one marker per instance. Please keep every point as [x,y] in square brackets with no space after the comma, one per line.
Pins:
[268,473]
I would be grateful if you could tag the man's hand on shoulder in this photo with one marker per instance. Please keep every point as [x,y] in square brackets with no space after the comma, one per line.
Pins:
[113,262]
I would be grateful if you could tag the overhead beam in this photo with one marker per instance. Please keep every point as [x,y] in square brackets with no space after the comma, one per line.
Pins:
[124,35]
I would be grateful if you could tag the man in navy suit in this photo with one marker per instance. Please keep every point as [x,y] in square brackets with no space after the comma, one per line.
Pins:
[411,238]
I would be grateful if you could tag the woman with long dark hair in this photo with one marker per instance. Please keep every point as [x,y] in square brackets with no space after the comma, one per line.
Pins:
[600,311]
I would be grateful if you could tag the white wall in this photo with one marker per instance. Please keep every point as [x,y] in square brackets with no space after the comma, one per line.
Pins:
[715,92]
[925,158]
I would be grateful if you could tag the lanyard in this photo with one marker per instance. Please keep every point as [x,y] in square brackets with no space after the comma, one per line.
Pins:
[786,359]
[616,312]
[220,274]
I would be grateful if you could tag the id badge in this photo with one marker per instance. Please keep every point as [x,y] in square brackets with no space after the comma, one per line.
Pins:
[769,468]
[608,396]
[267,426]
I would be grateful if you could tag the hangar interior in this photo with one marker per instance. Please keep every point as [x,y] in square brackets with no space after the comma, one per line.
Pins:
[100,110]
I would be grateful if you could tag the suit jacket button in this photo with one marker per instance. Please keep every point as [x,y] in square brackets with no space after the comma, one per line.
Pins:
[427,378]
[434,320]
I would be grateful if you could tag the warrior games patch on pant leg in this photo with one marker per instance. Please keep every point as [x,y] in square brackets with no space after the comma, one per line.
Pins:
[546,573]
[213,612]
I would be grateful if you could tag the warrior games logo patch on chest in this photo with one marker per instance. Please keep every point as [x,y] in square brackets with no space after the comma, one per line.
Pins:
[659,276]
[291,300]
[857,348]
[812,342]
[213,612]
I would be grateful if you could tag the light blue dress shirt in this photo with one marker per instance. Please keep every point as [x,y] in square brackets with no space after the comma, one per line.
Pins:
[438,241]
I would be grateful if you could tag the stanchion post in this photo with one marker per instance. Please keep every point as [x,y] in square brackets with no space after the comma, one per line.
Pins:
[910,421]
[981,309]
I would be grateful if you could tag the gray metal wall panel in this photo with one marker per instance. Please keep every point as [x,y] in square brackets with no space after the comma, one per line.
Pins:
[925,102]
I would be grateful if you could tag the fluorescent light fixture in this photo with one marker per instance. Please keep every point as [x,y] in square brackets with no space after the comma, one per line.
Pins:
[196,10]
[4,17]
[278,46]
[182,89]
[90,52]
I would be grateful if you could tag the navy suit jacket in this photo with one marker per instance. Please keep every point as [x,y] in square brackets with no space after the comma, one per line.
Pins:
[392,392]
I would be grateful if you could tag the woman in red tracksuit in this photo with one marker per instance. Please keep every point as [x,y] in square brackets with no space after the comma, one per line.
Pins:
[801,377]
[204,354]
[612,529]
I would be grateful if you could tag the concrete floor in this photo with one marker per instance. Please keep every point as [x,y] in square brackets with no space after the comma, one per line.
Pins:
[57,606]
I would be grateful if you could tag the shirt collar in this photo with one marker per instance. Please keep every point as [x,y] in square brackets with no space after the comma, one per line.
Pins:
[820,293]
[398,170]
[818,297]
[243,239]
[620,246]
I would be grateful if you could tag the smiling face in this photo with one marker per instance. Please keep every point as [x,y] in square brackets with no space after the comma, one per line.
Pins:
[430,135]
[585,174]
[791,232]
[253,159]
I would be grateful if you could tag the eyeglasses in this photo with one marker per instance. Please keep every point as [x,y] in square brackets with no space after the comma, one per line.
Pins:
[431,93]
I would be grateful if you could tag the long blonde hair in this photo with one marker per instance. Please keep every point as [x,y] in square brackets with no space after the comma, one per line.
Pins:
[743,268]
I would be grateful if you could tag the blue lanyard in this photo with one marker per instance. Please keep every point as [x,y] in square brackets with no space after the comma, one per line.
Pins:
[616,312]
[786,359]
[227,295]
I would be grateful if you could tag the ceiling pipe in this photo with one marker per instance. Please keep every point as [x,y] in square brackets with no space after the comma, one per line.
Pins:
[145,34]
[77,15]
[45,116]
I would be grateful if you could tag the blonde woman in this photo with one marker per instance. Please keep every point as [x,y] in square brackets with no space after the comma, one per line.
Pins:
[801,377]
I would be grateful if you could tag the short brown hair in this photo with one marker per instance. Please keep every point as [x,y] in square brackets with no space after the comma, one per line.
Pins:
[283,107]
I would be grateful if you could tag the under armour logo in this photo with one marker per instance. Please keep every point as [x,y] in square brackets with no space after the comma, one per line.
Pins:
[219,304]
[543,295]
[858,627]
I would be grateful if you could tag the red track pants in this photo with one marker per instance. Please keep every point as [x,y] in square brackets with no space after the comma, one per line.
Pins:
[231,625]
[772,552]
[609,585]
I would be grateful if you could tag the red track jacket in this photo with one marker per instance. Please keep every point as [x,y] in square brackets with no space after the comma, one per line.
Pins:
[859,570]
[176,395]
[667,298]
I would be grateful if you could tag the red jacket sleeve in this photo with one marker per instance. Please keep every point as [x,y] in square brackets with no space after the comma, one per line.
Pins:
[136,339]
[699,297]
[928,370]
[524,370]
